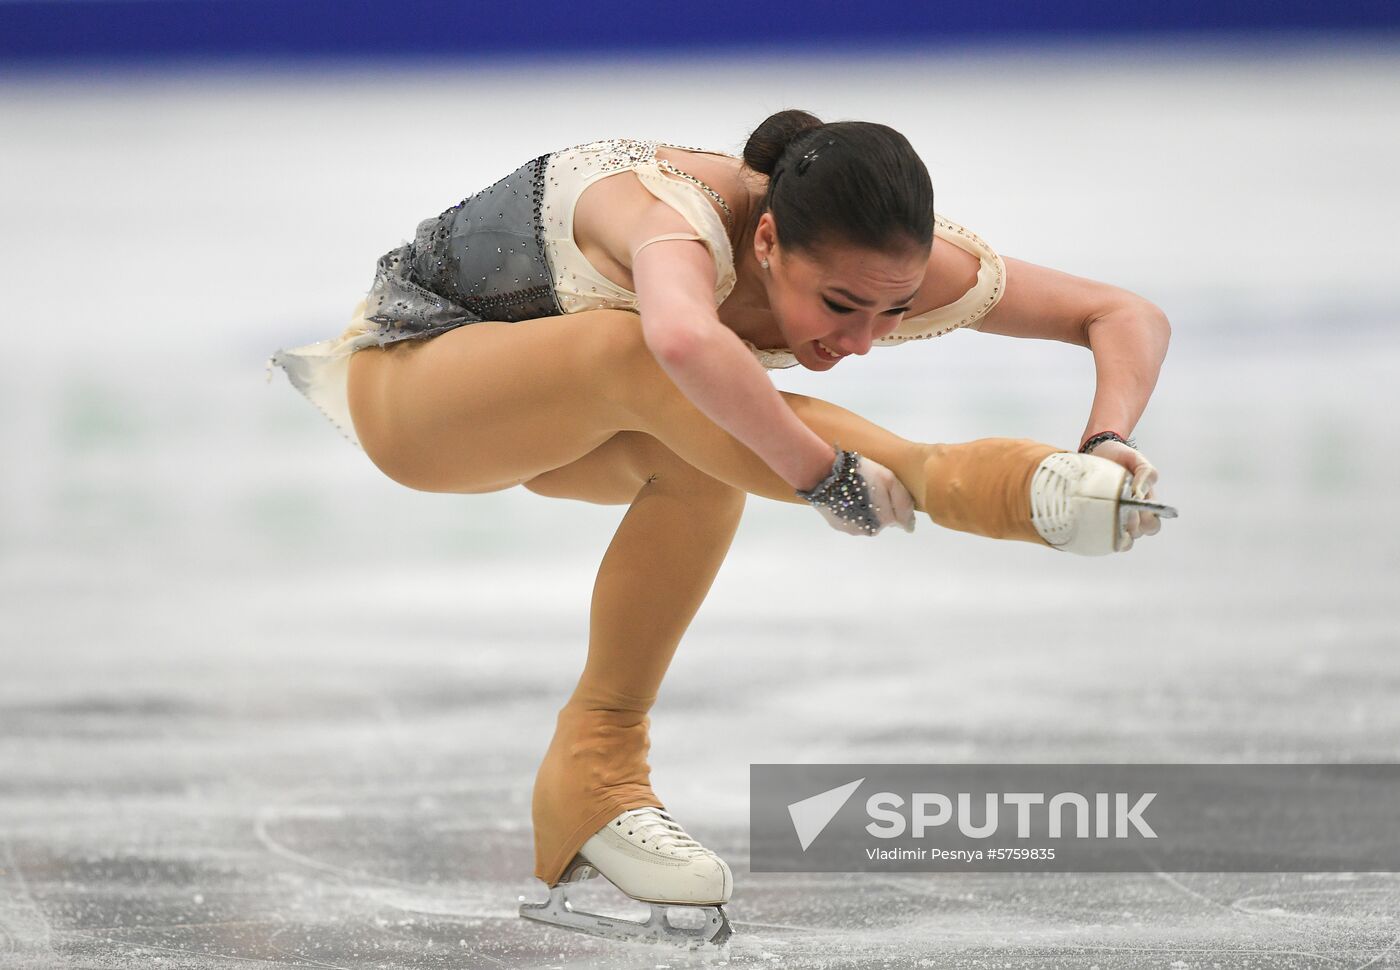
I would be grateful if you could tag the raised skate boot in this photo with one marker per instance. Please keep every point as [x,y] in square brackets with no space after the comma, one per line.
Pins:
[1080,503]
[648,856]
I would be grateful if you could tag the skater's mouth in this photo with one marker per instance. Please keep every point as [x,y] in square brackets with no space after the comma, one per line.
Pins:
[826,353]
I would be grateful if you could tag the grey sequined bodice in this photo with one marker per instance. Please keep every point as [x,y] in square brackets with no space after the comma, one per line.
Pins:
[481,259]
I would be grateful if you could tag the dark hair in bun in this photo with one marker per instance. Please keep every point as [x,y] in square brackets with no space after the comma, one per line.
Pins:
[852,182]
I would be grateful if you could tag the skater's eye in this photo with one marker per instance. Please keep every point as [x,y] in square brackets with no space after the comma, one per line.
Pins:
[838,308]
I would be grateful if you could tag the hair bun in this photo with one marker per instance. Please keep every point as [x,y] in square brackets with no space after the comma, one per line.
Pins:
[771,138]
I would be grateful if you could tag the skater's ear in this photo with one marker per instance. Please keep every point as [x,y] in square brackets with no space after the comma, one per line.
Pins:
[1046,304]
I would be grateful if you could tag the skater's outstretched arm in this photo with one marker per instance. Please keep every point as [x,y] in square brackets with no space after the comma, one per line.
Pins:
[1128,336]
[1127,333]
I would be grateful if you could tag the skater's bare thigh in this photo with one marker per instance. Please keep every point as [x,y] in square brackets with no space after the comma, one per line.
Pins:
[491,405]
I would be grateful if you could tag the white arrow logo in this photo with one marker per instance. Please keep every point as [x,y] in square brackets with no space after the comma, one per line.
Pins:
[811,815]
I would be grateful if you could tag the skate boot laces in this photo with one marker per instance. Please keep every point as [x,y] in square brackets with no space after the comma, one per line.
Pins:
[660,830]
[1051,487]
[1077,503]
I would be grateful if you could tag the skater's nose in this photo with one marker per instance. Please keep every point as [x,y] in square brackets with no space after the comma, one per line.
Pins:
[851,342]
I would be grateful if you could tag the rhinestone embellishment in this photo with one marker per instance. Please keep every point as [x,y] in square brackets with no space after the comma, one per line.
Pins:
[845,493]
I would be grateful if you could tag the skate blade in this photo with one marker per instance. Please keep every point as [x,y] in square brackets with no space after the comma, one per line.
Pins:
[1127,501]
[558,911]
[1162,511]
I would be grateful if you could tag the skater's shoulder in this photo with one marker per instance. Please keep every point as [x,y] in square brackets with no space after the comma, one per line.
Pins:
[964,280]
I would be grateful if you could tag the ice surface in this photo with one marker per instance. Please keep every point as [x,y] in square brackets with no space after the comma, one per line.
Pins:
[259,704]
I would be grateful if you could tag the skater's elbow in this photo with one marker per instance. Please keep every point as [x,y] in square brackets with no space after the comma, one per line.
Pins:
[675,342]
[1146,321]
[1164,327]
[1154,318]
[1157,326]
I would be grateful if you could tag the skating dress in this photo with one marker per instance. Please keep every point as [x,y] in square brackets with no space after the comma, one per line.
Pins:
[507,253]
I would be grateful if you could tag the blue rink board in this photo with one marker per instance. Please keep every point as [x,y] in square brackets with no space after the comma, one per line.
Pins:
[51,30]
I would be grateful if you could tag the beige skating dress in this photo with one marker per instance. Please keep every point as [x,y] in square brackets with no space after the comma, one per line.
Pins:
[508,253]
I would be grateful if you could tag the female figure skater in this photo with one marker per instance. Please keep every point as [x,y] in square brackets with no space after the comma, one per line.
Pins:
[597,325]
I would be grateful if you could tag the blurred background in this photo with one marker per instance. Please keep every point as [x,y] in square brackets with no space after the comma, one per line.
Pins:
[259,703]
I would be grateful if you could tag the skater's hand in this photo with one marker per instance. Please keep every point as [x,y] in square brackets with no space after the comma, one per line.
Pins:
[861,496]
[893,503]
[1140,522]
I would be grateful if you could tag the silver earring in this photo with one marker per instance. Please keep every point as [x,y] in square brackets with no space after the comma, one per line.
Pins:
[763,263]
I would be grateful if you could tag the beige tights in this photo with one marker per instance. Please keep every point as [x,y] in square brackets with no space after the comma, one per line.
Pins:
[576,407]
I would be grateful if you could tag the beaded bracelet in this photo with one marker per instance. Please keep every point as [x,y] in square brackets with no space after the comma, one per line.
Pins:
[1103,436]
[845,492]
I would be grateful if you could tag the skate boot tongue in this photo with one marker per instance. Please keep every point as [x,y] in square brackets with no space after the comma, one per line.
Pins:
[659,829]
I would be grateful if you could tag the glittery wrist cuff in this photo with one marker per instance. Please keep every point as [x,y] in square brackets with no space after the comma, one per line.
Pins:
[1098,439]
[845,493]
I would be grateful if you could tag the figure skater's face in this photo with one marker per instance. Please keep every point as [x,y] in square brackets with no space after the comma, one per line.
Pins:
[838,298]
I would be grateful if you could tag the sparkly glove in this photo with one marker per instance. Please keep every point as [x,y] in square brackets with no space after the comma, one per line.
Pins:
[861,497]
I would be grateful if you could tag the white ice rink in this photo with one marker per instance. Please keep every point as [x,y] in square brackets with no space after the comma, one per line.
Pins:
[261,705]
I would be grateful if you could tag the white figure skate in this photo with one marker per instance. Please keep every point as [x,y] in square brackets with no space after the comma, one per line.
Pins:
[648,856]
[1080,503]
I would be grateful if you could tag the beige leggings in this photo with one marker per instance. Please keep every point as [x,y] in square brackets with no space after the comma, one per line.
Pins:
[577,407]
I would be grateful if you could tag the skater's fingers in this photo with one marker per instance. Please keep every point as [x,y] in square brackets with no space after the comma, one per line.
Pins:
[1132,523]
[892,501]
[884,494]
[1144,479]
[878,479]
[1151,524]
